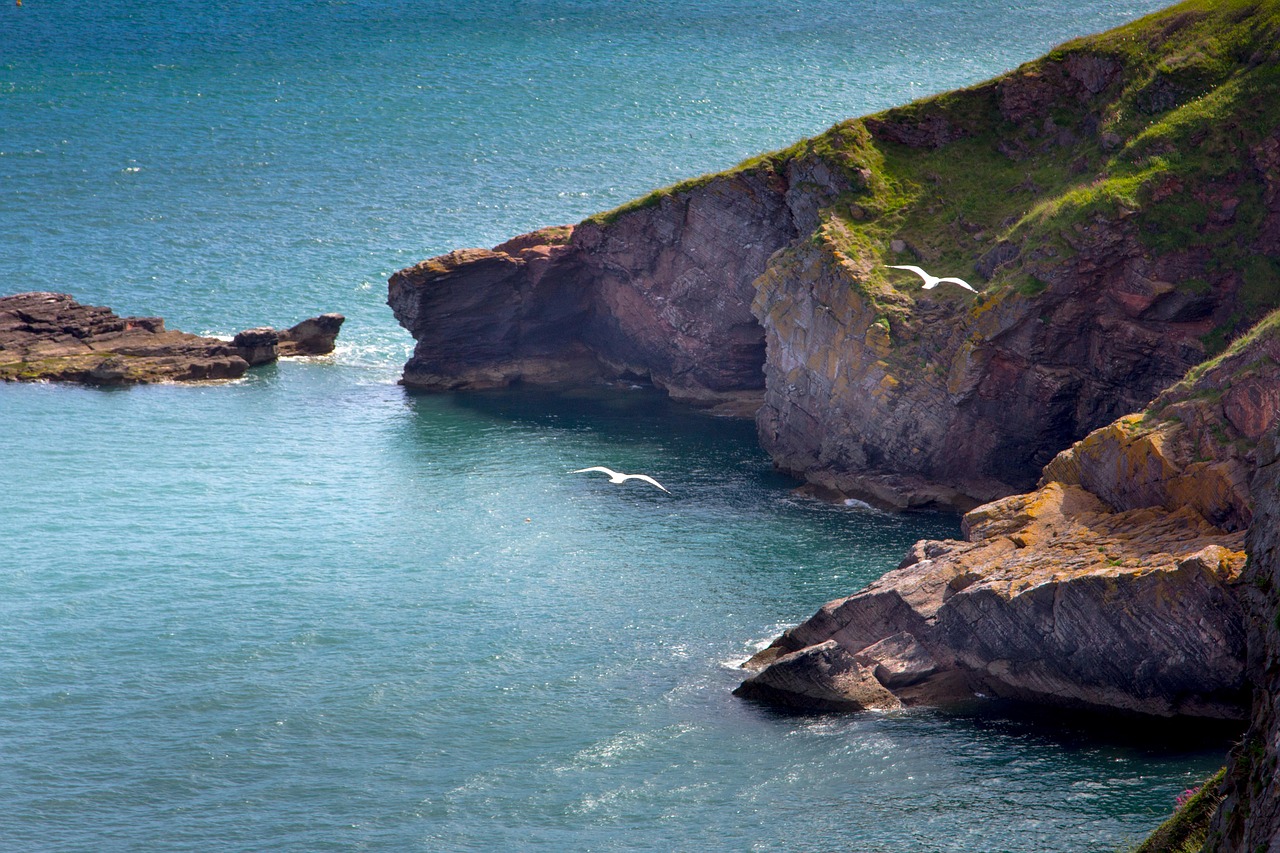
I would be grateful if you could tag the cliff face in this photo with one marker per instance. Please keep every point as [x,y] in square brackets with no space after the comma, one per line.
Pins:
[1115,585]
[1117,203]
[659,291]
[1249,817]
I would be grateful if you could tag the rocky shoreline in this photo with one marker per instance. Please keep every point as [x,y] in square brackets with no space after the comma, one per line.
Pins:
[49,337]
[1117,205]
[1105,409]
[1116,585]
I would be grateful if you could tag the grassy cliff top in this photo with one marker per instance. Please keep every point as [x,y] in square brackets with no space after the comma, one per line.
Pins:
[1155,126]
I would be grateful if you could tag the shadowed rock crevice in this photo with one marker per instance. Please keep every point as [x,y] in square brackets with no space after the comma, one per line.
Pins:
[1249,817]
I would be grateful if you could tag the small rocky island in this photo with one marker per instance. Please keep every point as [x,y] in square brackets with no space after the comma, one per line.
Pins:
[52,337]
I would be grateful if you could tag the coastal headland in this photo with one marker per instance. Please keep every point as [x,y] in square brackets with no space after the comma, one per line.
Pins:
[1116,203]
[1104,408]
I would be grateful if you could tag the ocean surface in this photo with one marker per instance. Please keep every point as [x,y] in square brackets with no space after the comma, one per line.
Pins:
[311,611]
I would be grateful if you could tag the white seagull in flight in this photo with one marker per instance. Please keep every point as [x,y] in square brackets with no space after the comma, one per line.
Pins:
[615,477]
[931,281]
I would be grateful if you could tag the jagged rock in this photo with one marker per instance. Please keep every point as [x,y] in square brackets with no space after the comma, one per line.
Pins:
[1095,73]
[51,337]
[1110,268]
[821,677]
[1249,817]
[1055,599]
[1002,253]
[898,661]
[484,319]
[930,130]
[661,291]
[1193,446]
[314,336]
[257,346]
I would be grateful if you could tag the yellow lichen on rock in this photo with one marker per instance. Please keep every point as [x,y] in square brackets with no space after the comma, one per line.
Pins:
[877,339]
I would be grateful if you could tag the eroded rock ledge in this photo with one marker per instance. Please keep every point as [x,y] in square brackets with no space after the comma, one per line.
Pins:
[661,291]
[1053,598]
[1115,585]
[51,337]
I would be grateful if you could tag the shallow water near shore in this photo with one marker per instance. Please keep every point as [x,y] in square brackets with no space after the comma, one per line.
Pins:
[310,610]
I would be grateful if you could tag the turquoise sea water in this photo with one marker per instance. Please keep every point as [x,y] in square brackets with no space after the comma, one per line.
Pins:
[311,611]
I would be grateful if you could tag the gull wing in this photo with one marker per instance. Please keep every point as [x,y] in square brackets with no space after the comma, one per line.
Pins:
[600,468]
[924,275]
[958,281]
[647,479]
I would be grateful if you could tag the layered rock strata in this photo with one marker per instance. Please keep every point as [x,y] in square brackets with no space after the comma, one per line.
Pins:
[51,337]
[1115,585]
[1053,598]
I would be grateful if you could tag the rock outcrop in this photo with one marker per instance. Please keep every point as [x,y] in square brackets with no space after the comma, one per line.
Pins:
[1116,202]
[51,337]
[1115,585]
[313,336]
[1054,599]
[661,291]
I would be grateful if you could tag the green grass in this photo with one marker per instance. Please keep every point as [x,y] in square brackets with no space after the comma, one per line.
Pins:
[1188,828]
[1270,325]
[1190,386]
[1195,95]
[655,197]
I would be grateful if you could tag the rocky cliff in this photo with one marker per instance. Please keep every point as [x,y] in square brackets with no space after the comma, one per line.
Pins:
[1249,817]
[1117,206]
[1117,203]
[660,290]
[1115,585]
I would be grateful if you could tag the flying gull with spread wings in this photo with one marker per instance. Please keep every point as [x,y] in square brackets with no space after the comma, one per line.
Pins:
[616,477]
[932,281]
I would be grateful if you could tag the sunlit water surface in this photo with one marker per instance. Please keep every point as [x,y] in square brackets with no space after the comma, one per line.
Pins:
[311,611]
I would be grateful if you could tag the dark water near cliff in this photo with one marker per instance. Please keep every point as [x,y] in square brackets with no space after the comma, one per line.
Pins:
[309,611]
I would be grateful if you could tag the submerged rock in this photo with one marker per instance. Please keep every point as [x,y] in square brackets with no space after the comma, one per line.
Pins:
[51,337]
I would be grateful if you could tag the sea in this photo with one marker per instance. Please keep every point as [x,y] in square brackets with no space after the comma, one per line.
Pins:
[311,610]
